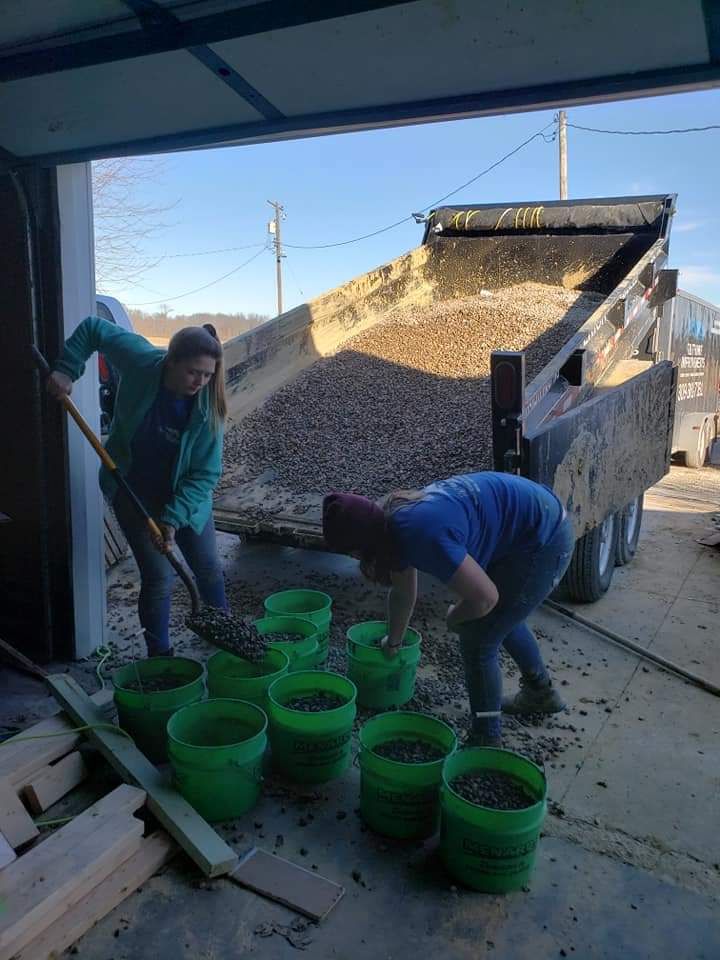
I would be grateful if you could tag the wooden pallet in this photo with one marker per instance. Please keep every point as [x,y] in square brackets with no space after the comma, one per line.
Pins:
[116,546]
[53,888]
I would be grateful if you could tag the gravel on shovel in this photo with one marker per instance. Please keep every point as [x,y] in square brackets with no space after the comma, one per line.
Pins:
[494,788]
[315,702]
[408,751]
[235,636]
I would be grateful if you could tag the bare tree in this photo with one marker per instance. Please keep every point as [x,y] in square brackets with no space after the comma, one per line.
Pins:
[124,222]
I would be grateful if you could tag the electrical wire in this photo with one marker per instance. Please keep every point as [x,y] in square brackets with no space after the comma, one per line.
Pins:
[64,733]
[205,286]
[204,253]
[645,133]
[292,274]
[397,223]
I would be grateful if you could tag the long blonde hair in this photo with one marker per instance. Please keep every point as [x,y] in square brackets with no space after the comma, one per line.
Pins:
[400,498]
[203,342]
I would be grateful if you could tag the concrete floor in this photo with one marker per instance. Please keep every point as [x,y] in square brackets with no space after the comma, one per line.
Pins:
[629,866]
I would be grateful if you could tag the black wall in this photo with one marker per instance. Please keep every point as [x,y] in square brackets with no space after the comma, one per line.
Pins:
[36,607]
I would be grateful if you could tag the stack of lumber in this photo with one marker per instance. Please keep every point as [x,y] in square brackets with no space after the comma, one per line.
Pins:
[53,888]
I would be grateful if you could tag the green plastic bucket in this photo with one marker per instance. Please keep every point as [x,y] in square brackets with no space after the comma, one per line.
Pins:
[216,750]
[303,652]
[490,850]
[145,714]
[311,747]
[238,679]
[313,605]
[381,681]
[402,800]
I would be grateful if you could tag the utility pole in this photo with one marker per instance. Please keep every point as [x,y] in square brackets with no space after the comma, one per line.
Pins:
[562,150]
[274,230]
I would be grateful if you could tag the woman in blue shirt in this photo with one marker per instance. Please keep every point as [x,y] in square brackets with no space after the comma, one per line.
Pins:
[166,439]
[500,542]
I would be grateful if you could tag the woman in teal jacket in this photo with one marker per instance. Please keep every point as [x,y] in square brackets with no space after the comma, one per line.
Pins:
[166,438]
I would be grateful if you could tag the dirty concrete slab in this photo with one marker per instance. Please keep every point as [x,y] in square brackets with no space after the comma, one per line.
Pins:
[580,905]
[640,611]
[591,676]
[690,636]
[655,770]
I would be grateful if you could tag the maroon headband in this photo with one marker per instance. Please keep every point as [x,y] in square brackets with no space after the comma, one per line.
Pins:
[352,523]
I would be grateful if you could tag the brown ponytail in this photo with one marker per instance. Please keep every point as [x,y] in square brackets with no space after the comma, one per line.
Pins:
[203,341]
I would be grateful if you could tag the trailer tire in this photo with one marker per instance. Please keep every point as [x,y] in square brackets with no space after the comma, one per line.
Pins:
[593,562]
[696,457]
[630,521]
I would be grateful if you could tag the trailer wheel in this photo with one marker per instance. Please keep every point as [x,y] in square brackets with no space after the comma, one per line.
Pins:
[593,562]
[630,520]
[696,458]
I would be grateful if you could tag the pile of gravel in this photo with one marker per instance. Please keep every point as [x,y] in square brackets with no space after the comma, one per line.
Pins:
[402,750]
[407,401]
[316,702]
[494,788]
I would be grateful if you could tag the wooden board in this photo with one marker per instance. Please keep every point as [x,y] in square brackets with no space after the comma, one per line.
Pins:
[195,835]
[286,883]
[68,864]
[51,783]
[7,854]
[21,757]
[15,822]
[155,851]
[20,661]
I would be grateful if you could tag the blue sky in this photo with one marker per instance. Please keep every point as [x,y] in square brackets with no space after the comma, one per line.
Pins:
[339,187]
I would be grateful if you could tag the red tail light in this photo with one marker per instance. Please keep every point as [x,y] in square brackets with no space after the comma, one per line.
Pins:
[103,368]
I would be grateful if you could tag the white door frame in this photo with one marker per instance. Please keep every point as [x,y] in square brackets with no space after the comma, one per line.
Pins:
[77,253]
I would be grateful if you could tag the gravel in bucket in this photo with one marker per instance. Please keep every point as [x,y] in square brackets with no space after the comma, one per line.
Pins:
[239,637]
[155,684]
[315,702]
[494,788]
[283,637]
[408,751]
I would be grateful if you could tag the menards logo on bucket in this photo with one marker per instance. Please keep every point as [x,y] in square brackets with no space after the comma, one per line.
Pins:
[496,852]
[320,746]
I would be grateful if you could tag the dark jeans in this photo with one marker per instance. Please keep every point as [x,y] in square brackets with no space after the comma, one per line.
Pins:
[156,574]
[523,581]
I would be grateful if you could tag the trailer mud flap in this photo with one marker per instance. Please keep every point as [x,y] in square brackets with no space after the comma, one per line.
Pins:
[607,451]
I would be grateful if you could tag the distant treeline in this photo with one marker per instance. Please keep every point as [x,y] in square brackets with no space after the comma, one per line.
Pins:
[228,325]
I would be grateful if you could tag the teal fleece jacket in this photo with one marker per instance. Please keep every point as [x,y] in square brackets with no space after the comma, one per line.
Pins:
[140,365]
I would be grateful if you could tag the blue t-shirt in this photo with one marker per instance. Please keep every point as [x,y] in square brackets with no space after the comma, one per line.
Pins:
[155,447]
[486,515]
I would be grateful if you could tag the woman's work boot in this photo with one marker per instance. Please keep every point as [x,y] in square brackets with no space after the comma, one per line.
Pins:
[534,696]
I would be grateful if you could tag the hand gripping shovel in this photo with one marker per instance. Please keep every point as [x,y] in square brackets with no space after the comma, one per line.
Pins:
[110,464]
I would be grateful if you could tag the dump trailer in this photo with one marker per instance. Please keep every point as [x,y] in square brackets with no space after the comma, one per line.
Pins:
[595,423]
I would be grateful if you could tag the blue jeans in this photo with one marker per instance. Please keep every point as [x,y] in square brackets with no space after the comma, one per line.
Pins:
[156,574]
[523,581]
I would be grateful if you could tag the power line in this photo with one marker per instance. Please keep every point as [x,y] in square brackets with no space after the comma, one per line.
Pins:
[646,133]
[203,253]
[436,203]
[205,286]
